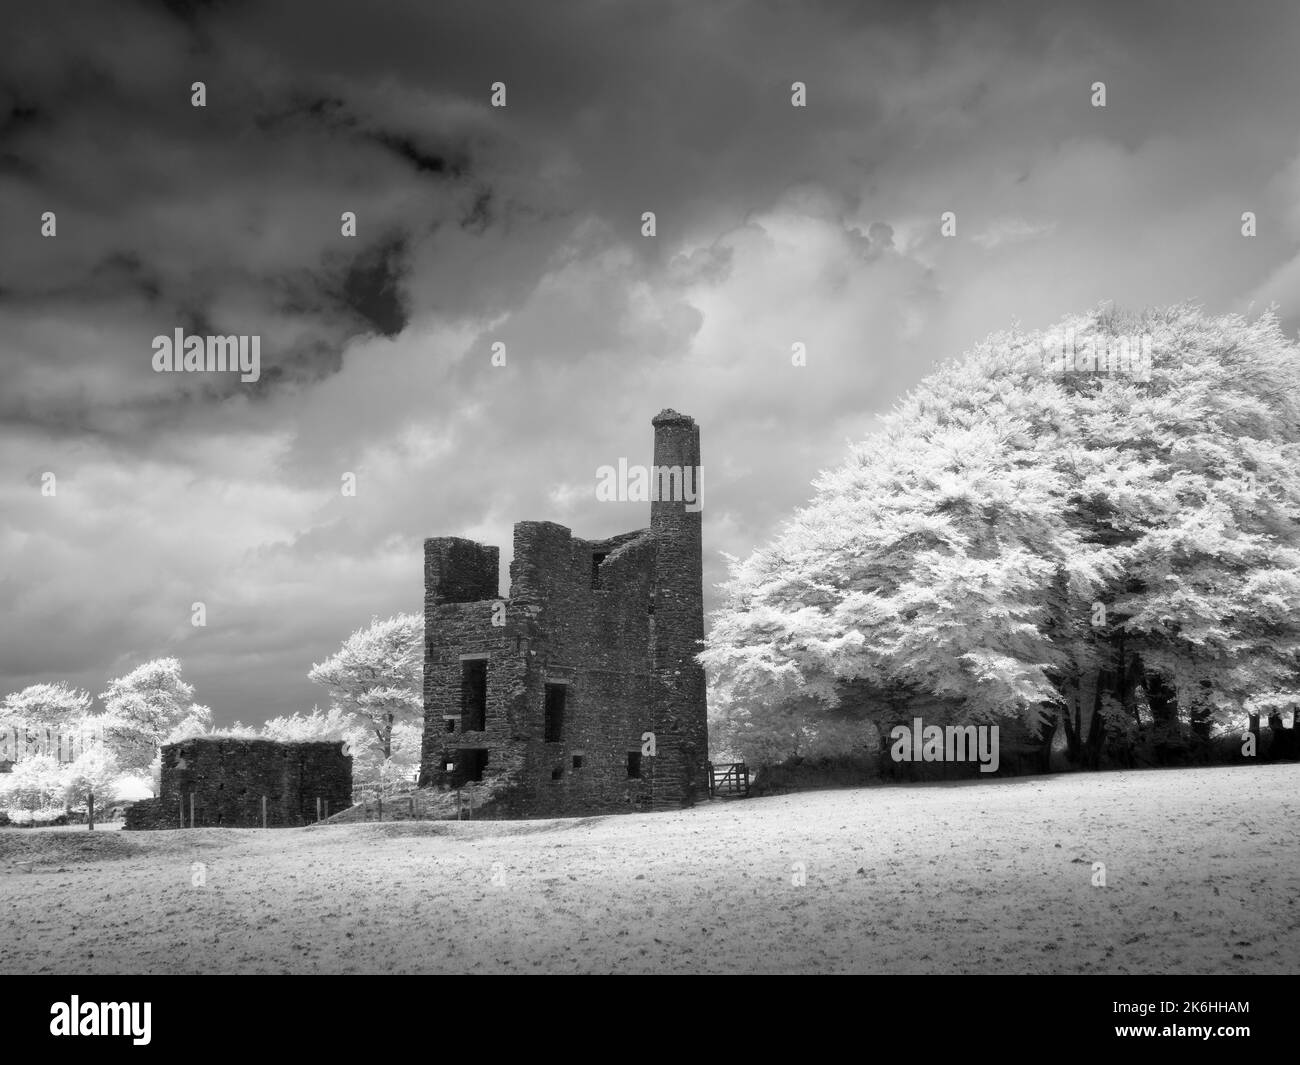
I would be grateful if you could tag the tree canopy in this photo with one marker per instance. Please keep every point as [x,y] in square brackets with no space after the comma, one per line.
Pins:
[148,707]
[1018,534]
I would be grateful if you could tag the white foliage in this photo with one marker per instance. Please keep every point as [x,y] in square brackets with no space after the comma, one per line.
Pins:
[958,552]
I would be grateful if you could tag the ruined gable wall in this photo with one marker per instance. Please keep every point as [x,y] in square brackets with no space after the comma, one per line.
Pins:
[453,630]
[599,641]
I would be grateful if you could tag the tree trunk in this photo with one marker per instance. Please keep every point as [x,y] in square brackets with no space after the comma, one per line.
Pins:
[1070,720]
[1097,727]
[1276,741]
[1201,715]
[1161,696]
[1046,733]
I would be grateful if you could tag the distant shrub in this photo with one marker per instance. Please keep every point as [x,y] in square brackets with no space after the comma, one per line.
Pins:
[806,774]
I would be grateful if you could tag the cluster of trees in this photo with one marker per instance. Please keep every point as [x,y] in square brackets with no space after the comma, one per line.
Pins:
[1094,554]
[147,707]
[374,683]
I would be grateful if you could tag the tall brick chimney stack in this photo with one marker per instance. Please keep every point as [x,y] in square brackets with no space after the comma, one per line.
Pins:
[682,728]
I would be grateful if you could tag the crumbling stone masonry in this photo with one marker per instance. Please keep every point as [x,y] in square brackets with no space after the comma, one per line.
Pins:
[547,697]
[228,777]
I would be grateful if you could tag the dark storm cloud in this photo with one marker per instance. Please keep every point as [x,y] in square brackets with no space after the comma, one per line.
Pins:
[199,213]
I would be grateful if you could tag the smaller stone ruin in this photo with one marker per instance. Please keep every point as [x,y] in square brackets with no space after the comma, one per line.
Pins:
[218,781]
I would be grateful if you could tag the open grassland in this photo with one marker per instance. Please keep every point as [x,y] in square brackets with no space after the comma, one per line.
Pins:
[1202,869]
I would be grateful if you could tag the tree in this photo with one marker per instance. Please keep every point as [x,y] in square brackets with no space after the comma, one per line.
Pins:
[378,676]
[1095,549]
[369,766]
[144,707]
[58,707]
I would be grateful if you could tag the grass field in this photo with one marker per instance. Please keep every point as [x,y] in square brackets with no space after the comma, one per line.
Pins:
[1202,869]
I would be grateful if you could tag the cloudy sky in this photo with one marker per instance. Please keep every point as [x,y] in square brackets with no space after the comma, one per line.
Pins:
[775,225]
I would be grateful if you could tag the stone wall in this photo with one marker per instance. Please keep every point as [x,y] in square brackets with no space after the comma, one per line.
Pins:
[225,780]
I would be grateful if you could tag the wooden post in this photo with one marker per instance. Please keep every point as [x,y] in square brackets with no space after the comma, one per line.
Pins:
[458,804]
[327,809]
[90,817]
[379,804]
[191,809]
[181,804]
[318,817]
[412,800]
[263,811]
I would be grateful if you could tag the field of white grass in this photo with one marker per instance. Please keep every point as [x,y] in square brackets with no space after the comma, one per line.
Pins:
[1202,870]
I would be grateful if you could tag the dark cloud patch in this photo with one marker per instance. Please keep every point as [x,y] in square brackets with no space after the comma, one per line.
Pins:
[480,214]
[21,115]
[405,148]
[372,287]
[330,112]
[124,270]
[190,11]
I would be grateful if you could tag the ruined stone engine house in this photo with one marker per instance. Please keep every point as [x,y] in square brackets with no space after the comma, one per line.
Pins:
[579,693]
[221,781]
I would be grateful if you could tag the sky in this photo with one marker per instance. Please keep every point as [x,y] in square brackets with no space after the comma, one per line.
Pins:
[775,225]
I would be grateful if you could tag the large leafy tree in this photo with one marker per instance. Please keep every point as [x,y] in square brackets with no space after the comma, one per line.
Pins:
[1101,549]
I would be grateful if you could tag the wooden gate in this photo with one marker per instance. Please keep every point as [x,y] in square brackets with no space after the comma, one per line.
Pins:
[729,779]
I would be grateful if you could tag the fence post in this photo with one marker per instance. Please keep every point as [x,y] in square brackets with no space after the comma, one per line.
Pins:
[327,809]
[191,809]
[90,818]
[379,804]
[318,817]
[458,804]
[263,811]
[181,806]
